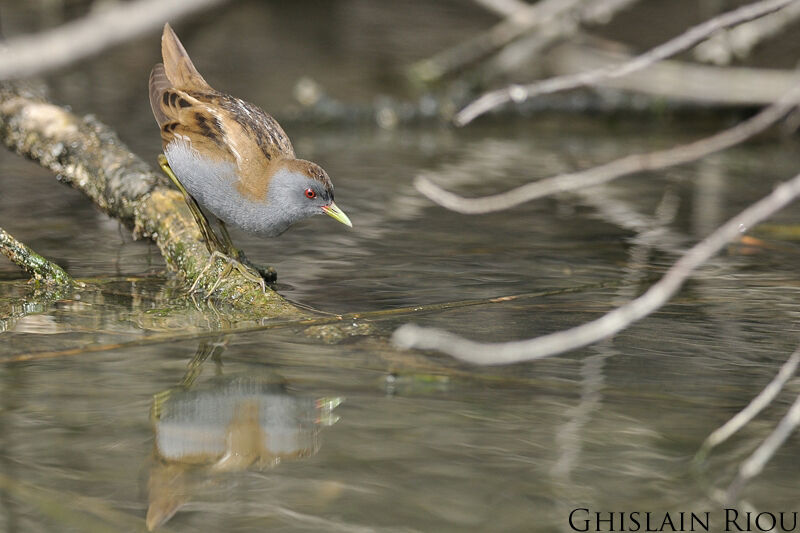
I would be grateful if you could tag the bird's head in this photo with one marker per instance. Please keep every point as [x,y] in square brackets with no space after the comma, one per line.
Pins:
[300,189]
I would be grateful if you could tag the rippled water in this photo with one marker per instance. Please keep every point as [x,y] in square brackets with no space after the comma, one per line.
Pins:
[115,420]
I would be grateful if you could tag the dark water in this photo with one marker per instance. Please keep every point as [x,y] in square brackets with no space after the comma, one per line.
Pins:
[88,439]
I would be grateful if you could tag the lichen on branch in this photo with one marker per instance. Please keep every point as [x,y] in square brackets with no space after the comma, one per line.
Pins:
[34,264]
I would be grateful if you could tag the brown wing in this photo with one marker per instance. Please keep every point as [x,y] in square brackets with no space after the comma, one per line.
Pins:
[178,67]
[256,140]
[219,126]
[186,117]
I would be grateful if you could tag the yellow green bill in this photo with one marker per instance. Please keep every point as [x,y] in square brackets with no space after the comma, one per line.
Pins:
[335,213]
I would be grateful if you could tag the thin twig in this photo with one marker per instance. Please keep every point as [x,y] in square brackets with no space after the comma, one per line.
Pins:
[529,50]
[738,42]
[674,83]
[34,264]
[756,405]
[412,336]
[33,54]
[544,14]
[504,8]
[761,456]
[520,93]
[602,12]
[615,169]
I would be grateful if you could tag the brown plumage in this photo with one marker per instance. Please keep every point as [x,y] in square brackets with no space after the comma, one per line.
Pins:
[229,156]
[219,126]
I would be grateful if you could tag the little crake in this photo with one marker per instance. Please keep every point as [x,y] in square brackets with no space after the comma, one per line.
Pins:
[231,157]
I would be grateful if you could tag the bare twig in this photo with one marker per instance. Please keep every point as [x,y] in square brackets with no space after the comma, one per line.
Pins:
[504,8]
[603,11]
[738,42]
[544,14]
[530,48]
[755,406]
[412,336]
[34,264]
[520,93]
[615,169]
[672,81]
[761,456]
[33,54]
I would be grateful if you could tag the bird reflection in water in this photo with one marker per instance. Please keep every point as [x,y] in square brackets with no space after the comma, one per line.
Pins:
[227,424]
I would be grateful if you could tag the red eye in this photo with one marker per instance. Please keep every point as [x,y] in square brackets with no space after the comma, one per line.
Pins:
[310,193]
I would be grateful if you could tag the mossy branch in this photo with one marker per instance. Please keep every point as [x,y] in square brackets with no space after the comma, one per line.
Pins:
[34,264]
[87,155]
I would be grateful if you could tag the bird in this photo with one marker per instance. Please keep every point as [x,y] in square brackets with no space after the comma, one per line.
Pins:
[230,157]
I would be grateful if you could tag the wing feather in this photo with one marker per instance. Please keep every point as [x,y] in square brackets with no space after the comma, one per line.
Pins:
[218,126]
[178,66]
[159,83]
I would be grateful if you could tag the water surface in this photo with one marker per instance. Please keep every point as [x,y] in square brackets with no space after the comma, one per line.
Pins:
[419,442]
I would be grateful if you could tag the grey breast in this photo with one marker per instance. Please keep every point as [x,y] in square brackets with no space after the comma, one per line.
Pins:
[213,185]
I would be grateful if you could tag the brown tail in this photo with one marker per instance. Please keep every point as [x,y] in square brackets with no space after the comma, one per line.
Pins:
[158,85]
[178,68]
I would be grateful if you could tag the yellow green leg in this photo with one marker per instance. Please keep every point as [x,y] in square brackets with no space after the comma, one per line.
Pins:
[217,247]
[213,242]
[226,240]
[267,273]
[212,349]
[230,263]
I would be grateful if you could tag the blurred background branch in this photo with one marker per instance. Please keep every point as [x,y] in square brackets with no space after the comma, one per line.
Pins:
[615,169]
[737,43]
[694,35]
[105,26]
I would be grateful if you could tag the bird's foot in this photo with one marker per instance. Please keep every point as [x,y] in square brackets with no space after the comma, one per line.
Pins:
[230,264]
[268,273]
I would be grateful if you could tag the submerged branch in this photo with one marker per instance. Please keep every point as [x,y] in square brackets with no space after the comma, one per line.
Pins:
[88,156]
[303,322]
[694,35]
[747,414]
[761,456]
[33,54]
[615,169]
[34,264]
[412,336]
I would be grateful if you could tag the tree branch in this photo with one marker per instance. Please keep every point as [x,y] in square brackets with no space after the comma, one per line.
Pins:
[544,14]
[504,8]
[33,54]
[520,93]
[726,45]
[34,264]
[679,81]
